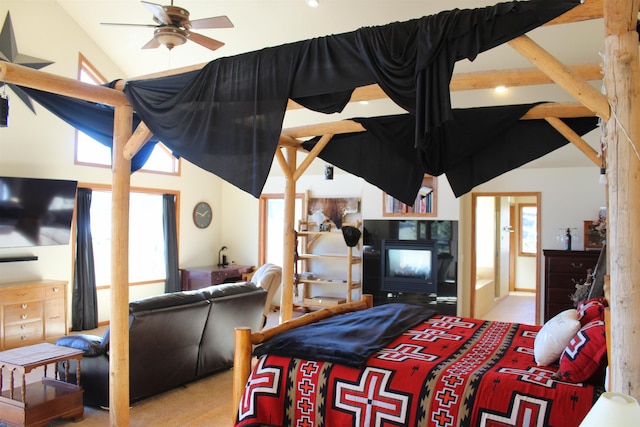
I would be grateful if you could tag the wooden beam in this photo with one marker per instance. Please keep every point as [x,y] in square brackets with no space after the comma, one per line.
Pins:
[140,136]
[590,9]
[41,80]
[541,111]
[575,139]
[562,75]
[514,77]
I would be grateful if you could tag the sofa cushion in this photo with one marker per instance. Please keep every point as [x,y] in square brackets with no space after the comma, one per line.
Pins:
[227,289]
[233,305]
[90,344]
[165,300]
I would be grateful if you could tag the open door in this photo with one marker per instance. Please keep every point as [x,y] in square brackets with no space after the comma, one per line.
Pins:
[502,261]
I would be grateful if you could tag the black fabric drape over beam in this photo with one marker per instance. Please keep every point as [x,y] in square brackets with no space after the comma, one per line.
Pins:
[227,117]
[478,144]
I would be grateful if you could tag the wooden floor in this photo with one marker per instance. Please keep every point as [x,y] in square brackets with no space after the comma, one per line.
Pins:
[517,307]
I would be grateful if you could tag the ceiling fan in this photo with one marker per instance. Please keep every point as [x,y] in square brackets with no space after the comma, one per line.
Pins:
[173,27]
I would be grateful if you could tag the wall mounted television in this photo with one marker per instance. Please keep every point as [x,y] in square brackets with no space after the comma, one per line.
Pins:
[409,266]
[35,211]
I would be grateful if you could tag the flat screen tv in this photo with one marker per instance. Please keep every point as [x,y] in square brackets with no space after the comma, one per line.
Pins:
[35,211]
[409,266]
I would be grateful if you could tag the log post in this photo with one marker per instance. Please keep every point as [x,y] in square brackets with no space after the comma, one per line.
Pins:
[622,82]
[241,366]
[119,323]
[286,303]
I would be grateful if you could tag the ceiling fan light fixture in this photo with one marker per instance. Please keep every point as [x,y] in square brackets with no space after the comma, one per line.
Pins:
[312,3]
[169,37]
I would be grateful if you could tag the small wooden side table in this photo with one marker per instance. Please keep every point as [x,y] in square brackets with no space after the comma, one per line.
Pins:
[36,404]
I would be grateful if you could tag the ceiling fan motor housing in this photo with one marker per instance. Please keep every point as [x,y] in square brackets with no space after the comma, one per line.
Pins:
[179,16]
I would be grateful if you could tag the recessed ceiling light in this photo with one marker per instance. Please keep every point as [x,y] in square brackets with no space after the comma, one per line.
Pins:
[313,3]
[501,89]
[364,102]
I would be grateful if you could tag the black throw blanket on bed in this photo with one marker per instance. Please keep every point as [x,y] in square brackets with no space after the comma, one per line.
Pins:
[349,339]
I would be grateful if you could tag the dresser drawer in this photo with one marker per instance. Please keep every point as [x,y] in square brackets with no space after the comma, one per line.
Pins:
[54,291]
[10,296]
[26,311]
[571,264]
[54,318]
[24,333]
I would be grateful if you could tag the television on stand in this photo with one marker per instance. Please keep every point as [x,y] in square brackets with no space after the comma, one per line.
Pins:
[409,266]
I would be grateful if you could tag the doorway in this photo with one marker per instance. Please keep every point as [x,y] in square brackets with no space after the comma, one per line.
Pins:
[506,249]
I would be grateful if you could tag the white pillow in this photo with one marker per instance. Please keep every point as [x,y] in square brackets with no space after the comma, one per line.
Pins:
[554,336]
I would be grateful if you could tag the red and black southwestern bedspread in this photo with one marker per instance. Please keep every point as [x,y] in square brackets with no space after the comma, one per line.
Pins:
[445,371]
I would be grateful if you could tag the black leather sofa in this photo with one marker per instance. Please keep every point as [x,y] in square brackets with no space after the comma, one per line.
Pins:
[174,339]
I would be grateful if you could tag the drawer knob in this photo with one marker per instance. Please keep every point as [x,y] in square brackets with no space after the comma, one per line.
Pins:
[23,316]
[23,326]
[23,306]
[574,265]
[23,337]
[23,294]
[56,289]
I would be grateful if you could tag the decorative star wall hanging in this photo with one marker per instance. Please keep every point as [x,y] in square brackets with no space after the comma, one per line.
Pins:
[9,53]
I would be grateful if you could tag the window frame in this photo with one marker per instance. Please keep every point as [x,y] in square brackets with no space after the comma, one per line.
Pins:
[145,190]
[87,67]
[521,232]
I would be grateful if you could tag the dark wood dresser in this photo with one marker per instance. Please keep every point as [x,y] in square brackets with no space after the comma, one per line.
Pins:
[201,277]
[562,271]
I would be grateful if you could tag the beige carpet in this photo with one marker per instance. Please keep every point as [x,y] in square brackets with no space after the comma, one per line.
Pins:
[204,403]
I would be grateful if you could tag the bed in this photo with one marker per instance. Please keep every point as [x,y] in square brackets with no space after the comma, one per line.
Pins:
[425,369]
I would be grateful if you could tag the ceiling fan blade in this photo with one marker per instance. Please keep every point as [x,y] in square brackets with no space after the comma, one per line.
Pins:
[205,41]
[158,11]
[151,44]
[213,22]
[128,25]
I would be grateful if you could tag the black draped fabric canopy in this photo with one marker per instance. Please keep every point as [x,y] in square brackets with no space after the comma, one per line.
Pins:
[476,145]
[230,113]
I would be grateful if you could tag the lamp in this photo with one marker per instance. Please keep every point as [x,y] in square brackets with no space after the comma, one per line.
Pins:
[328,172]
[613,410]
[222,261]
[312,3]
[351,235]
[169,36]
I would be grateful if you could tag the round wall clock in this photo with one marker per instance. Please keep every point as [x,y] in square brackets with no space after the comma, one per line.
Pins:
[202,215]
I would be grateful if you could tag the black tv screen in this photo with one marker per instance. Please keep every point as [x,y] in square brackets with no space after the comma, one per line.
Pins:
[36,212]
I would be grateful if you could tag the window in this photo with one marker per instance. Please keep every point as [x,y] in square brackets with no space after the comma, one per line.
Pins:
[272,226]
[91,152]
[528,229]
[146,236]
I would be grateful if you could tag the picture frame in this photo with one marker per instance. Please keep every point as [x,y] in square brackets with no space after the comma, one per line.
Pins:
[592,238]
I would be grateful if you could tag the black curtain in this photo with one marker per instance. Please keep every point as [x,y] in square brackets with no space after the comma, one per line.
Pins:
[84,305]
[172,282]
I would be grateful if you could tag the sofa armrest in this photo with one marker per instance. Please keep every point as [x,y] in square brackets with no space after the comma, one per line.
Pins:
[90,344]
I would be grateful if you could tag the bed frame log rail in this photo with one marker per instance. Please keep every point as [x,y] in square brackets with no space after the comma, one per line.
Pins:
[245,340]
[622,77]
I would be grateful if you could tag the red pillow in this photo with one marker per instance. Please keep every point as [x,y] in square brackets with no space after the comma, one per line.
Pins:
[584,359]
[590,310]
